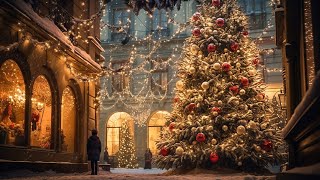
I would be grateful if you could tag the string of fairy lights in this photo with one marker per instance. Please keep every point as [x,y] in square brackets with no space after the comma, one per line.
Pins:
[139,62]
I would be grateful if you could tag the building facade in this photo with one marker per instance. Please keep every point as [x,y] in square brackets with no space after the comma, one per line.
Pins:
[141,55]
[47,86]
[299,35]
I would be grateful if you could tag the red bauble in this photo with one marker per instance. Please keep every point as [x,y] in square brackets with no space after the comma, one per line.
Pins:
[211,47]
[172,126]
[176,99]
[216,3]
[256,61]
[11,126]
[200,137]
[234,46]
[226,66]
[266,145]
[164,151]
[196,16]
[191,107]
[214,158]
[216,109]
[196,32]
[245,33]
[220,22]
[244,81]
[234,89]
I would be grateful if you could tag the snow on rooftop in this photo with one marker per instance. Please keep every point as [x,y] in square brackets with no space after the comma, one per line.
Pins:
[51,28]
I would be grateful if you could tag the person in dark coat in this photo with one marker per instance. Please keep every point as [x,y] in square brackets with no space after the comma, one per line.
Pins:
[147,159]
[93,151]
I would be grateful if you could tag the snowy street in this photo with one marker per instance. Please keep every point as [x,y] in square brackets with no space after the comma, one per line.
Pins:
[130,174]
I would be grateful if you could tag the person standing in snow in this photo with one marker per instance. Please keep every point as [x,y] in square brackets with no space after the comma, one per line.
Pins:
[147,159]
[93,151]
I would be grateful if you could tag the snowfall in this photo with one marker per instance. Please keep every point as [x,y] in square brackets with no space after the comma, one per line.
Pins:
[131,174]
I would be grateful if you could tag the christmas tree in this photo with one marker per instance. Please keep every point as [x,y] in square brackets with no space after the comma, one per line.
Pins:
[126,154]
[219,116]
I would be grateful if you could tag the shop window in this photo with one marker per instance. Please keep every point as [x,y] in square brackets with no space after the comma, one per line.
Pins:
[41,114]
[159,77]
[12,104]
[155,126]
[68,121]
[120,20]
[113,131]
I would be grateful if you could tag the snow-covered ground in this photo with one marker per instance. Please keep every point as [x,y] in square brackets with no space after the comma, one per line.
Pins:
[131,174]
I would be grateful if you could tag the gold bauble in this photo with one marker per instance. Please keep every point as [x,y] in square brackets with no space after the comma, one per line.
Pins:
[179,151]
[241,130]
[214,141]
[179,85]
[225,128]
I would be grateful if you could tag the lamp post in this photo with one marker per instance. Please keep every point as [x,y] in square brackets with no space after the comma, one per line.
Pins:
[282,100]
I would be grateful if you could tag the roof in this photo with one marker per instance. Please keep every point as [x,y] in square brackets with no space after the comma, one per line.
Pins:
[51,28]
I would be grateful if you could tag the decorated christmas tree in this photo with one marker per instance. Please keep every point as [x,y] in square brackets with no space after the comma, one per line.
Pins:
[126,154]
[219,116]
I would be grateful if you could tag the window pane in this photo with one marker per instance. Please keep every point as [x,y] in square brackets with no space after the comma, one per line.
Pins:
[68,120]
[41,114]
[12,104]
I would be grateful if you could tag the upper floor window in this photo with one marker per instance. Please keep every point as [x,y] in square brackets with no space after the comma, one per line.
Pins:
[120,19]
[159,77]
[160,23]
[256,11]
[120,80]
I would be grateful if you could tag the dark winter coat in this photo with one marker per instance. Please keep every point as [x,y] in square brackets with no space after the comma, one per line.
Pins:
[93,148]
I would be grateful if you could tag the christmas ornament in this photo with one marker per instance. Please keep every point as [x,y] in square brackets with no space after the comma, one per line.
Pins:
[172,126]
[238,65]
[192,70]
[225,128]
[215,32]
[205,85]
[179,151]
[211,47]
[252,72]
[226,66]
[266,145]
[234,46]
[220,22]
[216,109]
[216,66]
[214,158]
[179,85]
[241,130]
[194,49]
[191,107]
[214,141]
[176,99]
[244,81]
[252,125]
[216,3]
[260,97]
[196,32]
[164,151]
[255,61]
[209,128]
[219,102]
[193,129]
[242,92]
[196,16]
[234,89]
[200,137]
[256,148]
[245,33]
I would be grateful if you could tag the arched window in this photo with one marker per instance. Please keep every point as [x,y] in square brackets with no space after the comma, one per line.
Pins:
[68,120]
[113,130]
[41,114]
[155,126]
[12,104]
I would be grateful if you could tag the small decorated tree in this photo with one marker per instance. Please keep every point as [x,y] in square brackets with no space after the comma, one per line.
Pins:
[126,154]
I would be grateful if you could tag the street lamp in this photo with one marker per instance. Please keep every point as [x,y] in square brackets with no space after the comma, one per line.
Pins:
[282,100]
